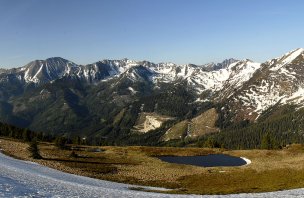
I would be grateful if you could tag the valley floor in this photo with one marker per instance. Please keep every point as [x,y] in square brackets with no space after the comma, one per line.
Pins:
[269,171]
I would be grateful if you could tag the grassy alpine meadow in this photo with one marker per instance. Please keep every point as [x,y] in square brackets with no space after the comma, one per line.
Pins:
[270,170]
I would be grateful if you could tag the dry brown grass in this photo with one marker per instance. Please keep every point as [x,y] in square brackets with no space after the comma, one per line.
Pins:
[198,126]
[204,123]
[177,131]
[269,170]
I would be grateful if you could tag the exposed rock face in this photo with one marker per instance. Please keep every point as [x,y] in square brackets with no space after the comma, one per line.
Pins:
[150,121]
[58,95]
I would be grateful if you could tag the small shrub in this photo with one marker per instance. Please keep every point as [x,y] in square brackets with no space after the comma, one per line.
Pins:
[60,142]
[73,154]
[34,150]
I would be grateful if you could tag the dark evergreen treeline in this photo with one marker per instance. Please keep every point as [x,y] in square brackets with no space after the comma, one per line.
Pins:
[27,135]
[175,101]
[273,130]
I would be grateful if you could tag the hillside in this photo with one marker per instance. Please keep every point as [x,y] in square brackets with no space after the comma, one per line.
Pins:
[107,100]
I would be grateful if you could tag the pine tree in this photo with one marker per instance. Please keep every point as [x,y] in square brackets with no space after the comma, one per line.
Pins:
[60,142]
[211,143]
[34,150]
[268,142]
[265,142]
[26,135]
[73,154]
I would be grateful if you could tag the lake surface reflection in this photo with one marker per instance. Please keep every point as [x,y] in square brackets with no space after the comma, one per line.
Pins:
[211,160]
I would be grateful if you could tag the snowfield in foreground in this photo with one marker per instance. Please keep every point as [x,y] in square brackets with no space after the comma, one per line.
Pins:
[26,179]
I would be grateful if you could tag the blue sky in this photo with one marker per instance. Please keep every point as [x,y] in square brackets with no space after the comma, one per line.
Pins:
[180,31]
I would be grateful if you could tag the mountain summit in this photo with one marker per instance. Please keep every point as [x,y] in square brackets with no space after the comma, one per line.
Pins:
[57,95]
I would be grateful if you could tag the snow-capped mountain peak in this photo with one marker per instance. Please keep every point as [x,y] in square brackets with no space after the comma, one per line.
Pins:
[218,66]
[206,77]
[247,87]
[278,81]
[42,71]
[287,58]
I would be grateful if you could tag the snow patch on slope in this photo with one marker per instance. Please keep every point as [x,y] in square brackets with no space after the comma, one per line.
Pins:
[243,72]
[296,98]
[22,179]
[287,58]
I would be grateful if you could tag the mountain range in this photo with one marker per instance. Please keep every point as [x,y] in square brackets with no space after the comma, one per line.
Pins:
[126,99]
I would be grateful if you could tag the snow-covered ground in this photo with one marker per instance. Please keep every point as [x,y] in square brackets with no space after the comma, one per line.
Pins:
[248,161]
[26,179]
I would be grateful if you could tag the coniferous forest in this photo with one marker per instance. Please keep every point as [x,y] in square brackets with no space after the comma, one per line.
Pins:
[274,129]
